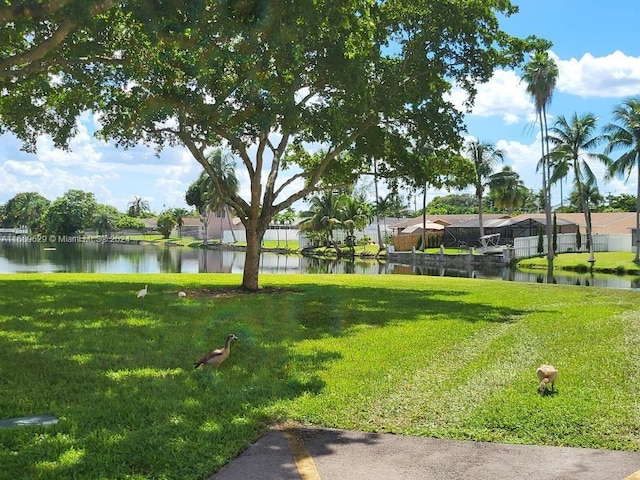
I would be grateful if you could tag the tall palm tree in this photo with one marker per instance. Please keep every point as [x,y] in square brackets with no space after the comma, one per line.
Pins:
[541,74]
[573,142]
[559,169]
[484,157]
[624,134]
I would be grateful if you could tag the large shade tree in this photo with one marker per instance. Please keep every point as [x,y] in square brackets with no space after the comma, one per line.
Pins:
[39,35]
[259,77]
[624,134]
[71,213]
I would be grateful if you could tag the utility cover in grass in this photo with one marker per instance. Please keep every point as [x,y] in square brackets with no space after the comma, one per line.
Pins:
[33,420]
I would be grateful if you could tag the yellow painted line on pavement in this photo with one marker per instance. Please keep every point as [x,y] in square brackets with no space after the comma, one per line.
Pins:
[633,476]
[304,463]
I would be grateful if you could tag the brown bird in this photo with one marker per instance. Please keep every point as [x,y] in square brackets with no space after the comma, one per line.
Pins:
[546,374]
[215,357]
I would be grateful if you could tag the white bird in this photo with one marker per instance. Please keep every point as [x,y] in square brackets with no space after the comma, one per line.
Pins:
[546,374]
[142,292]
[181,294]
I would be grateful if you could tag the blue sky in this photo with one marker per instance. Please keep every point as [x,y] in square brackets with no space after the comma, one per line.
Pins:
[594,43]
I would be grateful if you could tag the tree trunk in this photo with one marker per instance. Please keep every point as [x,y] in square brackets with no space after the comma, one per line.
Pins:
[204,218]
[547,188]
[480,208]
[381,245]
[252,257]
[233,233]
[587,219]
[424,218]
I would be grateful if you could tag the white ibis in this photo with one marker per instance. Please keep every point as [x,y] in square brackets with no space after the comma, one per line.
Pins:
[142,293]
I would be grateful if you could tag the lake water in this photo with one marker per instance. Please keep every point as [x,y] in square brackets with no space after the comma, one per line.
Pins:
[124,258]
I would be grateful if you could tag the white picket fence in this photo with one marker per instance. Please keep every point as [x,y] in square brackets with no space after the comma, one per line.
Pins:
[528,246]
[288,235]
[282,234]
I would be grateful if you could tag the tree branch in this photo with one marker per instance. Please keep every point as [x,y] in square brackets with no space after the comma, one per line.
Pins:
[32,10]
[39,51]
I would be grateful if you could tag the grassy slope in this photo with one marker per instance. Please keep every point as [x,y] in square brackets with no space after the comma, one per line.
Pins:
[434,356]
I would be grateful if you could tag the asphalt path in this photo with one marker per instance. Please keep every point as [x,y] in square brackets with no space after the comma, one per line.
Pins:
[296,453]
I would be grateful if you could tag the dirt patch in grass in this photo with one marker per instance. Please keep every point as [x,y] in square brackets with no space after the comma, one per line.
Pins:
[228,292]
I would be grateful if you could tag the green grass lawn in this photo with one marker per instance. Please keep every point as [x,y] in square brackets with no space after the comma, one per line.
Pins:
[432,356]
[611,262]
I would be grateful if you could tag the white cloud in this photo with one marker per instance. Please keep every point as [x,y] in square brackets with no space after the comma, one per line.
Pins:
[524,160]
[173,181]
[504,96]
[611,76]
[27,169]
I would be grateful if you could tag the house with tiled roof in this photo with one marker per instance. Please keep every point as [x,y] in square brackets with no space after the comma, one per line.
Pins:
[465,229]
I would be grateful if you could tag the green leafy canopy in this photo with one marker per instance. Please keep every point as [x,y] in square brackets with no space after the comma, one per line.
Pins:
[362,77]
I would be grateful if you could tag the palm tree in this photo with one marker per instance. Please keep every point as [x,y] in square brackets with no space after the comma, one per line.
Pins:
[572,141]
[206,195]
[354,213]
[625,134]
[105,219]
[137,206]
[559,169]
[507,189]
[285,217]
[591,193]
[484,157]
[529,201]
[541,74]
[323,216]
[178,216]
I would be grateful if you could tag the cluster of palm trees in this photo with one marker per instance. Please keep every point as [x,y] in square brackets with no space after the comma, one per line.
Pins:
[574,142]
[574,146]
[569,146]
[331,210]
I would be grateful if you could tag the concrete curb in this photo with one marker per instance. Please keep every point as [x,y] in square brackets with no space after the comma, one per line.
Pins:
[311,454]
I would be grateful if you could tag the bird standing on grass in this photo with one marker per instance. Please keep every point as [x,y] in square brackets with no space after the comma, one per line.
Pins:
[547,374]
[217,356]
[143,292]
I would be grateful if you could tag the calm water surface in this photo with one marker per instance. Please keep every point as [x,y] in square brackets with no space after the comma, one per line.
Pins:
[123,258]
